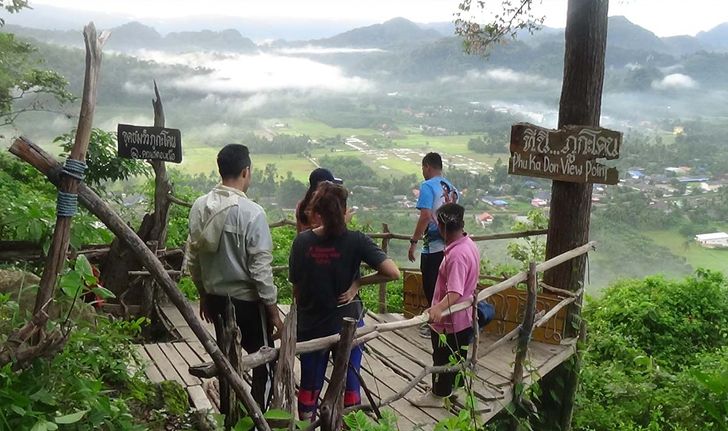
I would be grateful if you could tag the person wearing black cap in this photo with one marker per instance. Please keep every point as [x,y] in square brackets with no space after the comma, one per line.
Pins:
[304,219]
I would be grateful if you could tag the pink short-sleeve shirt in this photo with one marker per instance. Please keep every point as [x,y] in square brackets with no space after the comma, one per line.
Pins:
[459,273]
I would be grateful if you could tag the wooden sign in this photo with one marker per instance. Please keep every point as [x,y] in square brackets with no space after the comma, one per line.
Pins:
[569,154]
[151,143]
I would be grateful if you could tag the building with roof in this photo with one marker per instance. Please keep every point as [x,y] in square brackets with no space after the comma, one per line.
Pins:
[713,240]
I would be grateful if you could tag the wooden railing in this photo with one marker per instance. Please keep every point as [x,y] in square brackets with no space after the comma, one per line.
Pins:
[386,236]
[363,334]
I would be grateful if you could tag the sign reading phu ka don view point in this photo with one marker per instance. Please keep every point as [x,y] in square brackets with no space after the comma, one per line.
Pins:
[151,143]
[569,154]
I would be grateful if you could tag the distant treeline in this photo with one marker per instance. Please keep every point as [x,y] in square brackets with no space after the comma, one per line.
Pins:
[278,144]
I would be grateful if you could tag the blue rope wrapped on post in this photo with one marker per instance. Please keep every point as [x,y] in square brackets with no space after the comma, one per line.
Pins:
[67,203]
[75,169]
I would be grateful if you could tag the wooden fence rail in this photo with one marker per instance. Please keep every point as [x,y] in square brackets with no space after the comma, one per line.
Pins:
[386,236]
[269,354]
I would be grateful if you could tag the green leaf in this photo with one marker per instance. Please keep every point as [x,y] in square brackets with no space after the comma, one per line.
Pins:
[44,397]
[83,266]
[17,409]
[71,284]
[277,415]
[103,292]
[71,418]
[44,425]
[244,424]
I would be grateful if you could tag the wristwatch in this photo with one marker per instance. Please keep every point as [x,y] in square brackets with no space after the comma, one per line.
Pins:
[413,241]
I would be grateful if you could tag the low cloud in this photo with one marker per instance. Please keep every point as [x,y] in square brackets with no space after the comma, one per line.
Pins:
[675,81]
[138,88]
[320,50]
[235,74]
[502,76]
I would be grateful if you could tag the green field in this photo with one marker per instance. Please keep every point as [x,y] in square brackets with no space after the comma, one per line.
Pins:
[202,160]
[697,256]
[315,129]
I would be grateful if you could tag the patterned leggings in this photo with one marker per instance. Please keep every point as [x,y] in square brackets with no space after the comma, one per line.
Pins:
[313,371]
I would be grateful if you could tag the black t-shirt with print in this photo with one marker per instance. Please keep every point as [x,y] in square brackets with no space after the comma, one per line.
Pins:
[322,269]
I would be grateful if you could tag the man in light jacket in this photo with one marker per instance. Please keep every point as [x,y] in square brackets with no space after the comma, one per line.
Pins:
[230,255]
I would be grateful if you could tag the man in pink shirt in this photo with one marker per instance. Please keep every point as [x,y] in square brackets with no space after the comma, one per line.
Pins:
[456,282]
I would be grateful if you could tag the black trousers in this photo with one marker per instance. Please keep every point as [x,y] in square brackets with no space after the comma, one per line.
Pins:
[429,266]
[455,345]
[255,332]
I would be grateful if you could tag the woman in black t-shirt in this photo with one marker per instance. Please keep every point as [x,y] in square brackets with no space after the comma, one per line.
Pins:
[324,269]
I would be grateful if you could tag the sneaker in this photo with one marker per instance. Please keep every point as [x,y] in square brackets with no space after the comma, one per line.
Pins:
[425,331]
[428,399]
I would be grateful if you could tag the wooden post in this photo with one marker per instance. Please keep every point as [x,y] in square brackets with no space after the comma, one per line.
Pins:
[68,184]
[148,296]
[524,337]
[229,343]
[383,286]
[162,187]
[120,260]
[46,164]
[581,99]
[332,407]
[284,383]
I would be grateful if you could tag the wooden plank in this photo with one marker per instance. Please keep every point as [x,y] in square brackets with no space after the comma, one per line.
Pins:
[196,346]
[185,351]
[488,381]
[199,398]
[386,378]
[150,368]
[179,364]
[165,367]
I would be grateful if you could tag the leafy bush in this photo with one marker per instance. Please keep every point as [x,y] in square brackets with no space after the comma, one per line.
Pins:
[86,386]
[656,356]
[662,319]
[29,212]
[102,162]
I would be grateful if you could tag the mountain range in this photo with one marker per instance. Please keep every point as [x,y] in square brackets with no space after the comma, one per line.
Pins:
[395,33]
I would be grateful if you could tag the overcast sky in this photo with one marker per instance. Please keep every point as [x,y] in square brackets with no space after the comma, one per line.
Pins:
[663,17]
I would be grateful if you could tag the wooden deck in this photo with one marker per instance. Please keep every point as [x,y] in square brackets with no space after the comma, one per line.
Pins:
[390,362]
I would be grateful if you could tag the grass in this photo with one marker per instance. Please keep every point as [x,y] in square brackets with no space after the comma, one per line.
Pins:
[316,129]
[697,256]
[203,160]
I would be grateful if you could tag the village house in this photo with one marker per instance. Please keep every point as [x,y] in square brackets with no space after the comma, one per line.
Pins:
[484,219]
[713,240]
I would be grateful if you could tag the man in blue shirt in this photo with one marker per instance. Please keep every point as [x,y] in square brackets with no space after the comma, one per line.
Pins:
[435,191]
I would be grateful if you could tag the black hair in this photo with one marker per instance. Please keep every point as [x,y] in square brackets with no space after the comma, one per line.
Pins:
[232,160]
[329,202]
[302,211]
[452,216]
[433,160]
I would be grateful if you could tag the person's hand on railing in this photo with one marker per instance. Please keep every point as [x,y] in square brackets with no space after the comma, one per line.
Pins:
[435,314]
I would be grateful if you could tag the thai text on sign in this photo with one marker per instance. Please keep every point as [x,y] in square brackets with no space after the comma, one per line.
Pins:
[569,154]
[151,143]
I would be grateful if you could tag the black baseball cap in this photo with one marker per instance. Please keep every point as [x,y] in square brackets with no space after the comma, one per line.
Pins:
[322,174]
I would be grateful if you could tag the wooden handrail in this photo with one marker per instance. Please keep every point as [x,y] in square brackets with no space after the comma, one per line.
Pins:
[386,235]
[267,354]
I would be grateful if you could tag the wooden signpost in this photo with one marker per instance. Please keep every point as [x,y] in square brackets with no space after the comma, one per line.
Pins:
[569,154]
[150,143]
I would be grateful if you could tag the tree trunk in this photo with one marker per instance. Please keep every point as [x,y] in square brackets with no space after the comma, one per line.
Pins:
[581,100]
[115,270]
[61,233]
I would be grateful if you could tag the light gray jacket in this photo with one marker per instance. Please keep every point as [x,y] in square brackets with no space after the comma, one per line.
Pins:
[230,246]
